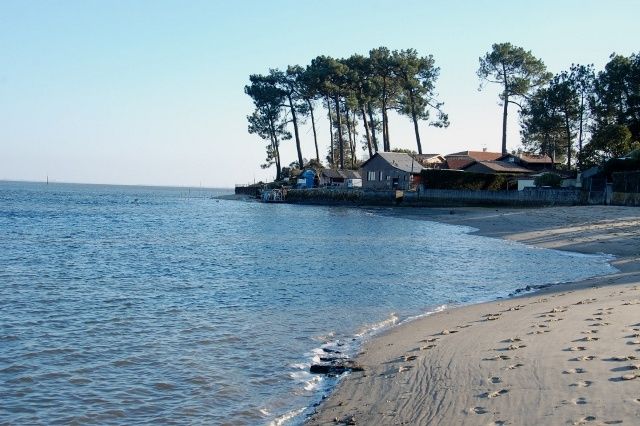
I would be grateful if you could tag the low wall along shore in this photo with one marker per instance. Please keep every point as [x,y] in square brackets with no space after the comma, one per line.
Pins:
[439,197]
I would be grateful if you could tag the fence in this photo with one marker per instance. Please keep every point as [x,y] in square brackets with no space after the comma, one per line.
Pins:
[626,189]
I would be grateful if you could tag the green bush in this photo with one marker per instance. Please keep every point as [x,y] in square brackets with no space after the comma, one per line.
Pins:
[456,179]
[548,179]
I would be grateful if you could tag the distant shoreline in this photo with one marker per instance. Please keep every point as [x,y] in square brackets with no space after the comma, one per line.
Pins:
[458,375]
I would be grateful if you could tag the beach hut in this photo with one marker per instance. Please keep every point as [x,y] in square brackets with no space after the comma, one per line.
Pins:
[306,179]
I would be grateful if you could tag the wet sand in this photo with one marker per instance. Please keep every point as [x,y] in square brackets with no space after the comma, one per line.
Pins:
[569,354]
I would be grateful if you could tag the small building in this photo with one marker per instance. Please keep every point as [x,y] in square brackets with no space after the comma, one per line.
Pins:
[459,160]
[431,161]
[534,162]
[496,167]
[306,179]
[390,170]
[340,178]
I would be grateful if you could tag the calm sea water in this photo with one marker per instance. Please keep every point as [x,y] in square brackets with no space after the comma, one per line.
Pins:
[123,305]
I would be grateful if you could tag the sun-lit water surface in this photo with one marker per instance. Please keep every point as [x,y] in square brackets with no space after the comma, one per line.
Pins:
[123,305]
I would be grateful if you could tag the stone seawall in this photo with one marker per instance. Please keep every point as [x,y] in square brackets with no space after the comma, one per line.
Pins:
[438,197]
[251,190]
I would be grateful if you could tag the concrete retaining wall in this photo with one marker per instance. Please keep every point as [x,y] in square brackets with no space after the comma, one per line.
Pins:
[439,197]
[526,197]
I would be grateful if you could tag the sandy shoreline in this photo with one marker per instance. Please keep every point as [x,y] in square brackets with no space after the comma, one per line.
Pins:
[568,354]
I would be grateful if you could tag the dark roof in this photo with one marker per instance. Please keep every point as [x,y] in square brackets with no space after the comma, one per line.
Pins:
[476,155]
[455,163]
[526,157]
[341,174]
[500,167]
[398,160]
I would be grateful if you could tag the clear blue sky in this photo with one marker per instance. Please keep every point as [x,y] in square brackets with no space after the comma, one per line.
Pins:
[151,92]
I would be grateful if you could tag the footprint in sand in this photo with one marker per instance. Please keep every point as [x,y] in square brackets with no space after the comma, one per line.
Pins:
[585,358]
[514,366]
[576,348]
[497,423]
[574,371]
[479,410]
[464,326]
[634,342]
[514,347]
[512,340]
[409,357]
[424,348]
[446,332]
[404,368]
[637,400]
[430,340]
[579,401]
[631,376]
[539,332]
[584,420]
[582,384]
[590,332]
[495,394]
[622,358]
[495,380]
[588,339]
[497,357]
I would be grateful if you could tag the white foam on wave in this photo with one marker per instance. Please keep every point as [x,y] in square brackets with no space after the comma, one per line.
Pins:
[287,416]
[425,314]
[375,327]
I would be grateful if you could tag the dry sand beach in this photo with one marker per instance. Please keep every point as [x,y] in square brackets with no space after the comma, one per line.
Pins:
[569,354]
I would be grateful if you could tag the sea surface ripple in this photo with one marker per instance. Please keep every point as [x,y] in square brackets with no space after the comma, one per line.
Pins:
[123,305]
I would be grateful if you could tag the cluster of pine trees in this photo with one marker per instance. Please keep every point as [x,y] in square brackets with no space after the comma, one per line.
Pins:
[359,89]
[578,117]
[575,113]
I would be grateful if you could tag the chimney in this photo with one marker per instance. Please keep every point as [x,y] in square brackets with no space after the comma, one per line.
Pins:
[484,149]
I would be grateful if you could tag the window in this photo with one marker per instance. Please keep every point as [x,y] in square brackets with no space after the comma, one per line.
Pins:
[371,176]
[381,176]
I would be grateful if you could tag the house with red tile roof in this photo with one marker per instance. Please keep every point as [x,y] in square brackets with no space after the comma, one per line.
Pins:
[458,160]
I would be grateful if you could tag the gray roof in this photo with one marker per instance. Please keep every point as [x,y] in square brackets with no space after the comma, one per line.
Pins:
[400,161]
[500,167]
[336,174]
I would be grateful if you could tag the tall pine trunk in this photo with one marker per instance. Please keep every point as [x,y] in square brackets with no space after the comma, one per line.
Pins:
[340,140]
[275,148]
[504,112]
[295,130]
[568,130]
[580,131]
[333,159]
[373,127]
[349,134]
[366,130]
[313,126]
[414,117]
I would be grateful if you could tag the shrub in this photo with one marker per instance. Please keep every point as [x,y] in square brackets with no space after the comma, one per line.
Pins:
[548,179]
[455,179]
